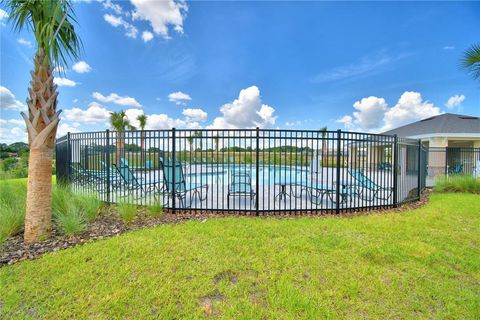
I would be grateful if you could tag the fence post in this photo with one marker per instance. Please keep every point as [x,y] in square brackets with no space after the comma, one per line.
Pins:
[257,164]
[337,195]
[446,162]
[419,167]
[107,161]
[68,160]
[395,169]
[173,170]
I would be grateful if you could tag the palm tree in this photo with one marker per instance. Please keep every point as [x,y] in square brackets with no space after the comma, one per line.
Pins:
[142,119]
[191,141]
[215,140]
[198,134]
[323,130]
[120,123]
[471,60]
[51,23]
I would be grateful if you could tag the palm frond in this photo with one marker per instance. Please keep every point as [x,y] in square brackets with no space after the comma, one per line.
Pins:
[52,24]
[119,121]
[471,60]
[142,119]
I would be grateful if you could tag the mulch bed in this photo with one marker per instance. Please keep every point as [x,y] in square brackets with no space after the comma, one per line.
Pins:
[108,224]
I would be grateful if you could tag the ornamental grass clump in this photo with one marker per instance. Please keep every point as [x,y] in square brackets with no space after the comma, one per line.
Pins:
[155,209]
[460,183]
[126,211]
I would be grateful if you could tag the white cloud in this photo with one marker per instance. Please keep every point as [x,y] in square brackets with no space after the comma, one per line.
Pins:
[8,101]
[3,14]
[60,69]
[12,134]
[132,115]
[347,121]
[293,123]
[81,67]
[195,115]
[448,48]
[64,128]
[12,130]
[115,98]
[130,30]
[25,42]
[193,125]
[370,112]
[161,14]
[3,17]
[112,6]
[373,113]
[366,65]
[16,122]
[147,36]
[95,113]
[246,111]
[455,101]
[64,82]
[179,98]
[113,20]
[409,108]
[163,121]
[75,100]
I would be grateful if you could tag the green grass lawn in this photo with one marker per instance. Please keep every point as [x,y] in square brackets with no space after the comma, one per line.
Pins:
[423,263]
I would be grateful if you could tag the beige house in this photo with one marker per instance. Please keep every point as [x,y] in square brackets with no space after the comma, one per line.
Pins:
[453,141]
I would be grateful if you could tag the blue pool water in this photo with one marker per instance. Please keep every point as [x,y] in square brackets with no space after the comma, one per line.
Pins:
[268,175]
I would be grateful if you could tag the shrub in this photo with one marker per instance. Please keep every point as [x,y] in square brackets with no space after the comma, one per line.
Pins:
[126,211]
[458,183]
[155,209]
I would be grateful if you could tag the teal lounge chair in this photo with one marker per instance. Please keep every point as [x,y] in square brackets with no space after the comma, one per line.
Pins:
[457,168]
[363,184]
[316,192]
[148,165]
[181,187]
[385,166]
[240,186]
[94,178]
[134,185]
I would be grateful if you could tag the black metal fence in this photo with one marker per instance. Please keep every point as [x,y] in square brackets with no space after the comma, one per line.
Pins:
[451,161]
[248,170]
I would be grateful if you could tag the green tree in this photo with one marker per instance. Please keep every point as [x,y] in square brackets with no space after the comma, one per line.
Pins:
[56,42]
[120,123]
[142,120]
[471,60]
[191,141]
[324,130]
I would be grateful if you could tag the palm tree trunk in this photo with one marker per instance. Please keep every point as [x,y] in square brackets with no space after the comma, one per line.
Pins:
[38,218]
[142,146]
[41,122]
[120,146]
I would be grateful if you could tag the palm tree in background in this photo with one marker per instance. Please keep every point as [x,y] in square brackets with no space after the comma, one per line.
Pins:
[324,130]
[142,120]
[191,141]
[215,140]
[120,123]
[57,42]
[198,134]
[471,60]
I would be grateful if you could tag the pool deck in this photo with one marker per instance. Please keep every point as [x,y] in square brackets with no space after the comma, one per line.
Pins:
[279,189]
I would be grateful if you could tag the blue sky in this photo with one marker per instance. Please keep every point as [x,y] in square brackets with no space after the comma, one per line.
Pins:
[358,66]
